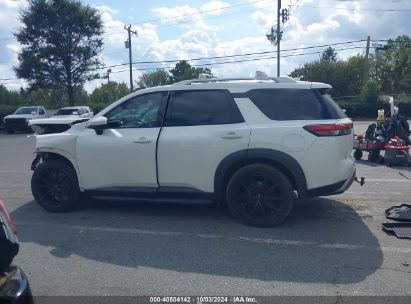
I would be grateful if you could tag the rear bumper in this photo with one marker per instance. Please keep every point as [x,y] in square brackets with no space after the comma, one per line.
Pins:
[332,189]
[16,289]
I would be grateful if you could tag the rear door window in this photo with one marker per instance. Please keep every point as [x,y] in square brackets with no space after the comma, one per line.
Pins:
[202,107]
[289,104]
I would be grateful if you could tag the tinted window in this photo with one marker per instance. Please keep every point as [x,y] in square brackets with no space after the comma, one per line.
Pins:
[211,107]
[289,104]
[41,112]
[67,112]
[142,111]
[332,107]
[28,110]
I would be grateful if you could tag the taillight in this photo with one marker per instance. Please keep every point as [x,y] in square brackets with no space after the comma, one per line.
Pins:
[7,217]
[330,129]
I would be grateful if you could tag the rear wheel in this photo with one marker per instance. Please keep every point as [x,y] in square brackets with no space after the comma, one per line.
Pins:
[260,195]
[54,186]
[357,154]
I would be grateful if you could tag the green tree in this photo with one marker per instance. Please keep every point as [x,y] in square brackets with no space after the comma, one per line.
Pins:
[106,94]
[371,91]
[183,71]
[11,98]
[61,40]
[329,55]
[153,79]
[344,76]
[393,67]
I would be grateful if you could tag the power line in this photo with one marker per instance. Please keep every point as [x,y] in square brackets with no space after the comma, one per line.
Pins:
[198,13]
[219,63]
[358,9]
[240,61]
[223,57]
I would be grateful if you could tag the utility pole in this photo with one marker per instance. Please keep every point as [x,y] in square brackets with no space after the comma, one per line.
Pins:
[108,75]
[367,51]
[378,47]
[276,34]
[279,36]
[128,46]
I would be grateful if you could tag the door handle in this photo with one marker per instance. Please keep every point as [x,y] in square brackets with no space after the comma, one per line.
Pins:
[231,135]
[143,140]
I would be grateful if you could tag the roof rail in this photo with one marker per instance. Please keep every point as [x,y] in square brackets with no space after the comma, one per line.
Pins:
[211,80]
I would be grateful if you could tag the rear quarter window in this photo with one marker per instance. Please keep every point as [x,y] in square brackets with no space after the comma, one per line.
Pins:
[332,107]
[294,104]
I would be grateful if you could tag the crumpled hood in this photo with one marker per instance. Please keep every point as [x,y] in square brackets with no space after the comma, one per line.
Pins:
[63,119]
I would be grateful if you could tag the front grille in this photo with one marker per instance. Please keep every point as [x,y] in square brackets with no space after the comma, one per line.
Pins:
[15,122]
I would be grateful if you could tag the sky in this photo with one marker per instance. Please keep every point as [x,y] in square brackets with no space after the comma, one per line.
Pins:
[199,31]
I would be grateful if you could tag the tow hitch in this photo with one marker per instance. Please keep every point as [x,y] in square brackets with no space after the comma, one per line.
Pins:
[361,181]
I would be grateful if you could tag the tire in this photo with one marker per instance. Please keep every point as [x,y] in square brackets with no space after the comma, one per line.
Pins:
[54,185]
[357,154]
[373,156]
[10,131]
[260,195]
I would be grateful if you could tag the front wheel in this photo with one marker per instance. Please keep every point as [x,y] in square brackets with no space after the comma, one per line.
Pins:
[10,130]
[54,185]
[260,195]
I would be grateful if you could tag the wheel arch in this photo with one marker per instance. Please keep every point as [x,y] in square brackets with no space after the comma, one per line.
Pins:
[62,157]
[282,161]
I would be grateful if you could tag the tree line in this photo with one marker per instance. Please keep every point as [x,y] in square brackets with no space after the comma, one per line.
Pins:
[358,85]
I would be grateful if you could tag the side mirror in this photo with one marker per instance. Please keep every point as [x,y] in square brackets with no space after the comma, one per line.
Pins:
[98,124]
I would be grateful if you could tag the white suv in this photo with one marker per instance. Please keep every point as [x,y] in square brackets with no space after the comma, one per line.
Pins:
[256,143]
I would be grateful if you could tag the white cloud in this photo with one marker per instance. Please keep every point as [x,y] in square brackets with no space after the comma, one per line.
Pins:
[214,7]
[185,16]
[9,23]
[263,21]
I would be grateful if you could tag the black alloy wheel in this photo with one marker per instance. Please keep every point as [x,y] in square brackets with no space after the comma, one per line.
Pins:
[54,185]
[260,195]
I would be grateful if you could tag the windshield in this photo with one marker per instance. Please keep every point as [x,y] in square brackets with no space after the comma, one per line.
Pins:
[67,112]
[28,110]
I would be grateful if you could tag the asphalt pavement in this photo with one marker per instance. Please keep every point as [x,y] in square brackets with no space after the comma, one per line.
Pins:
[329,246]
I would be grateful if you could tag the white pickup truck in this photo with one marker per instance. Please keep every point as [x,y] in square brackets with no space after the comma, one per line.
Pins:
[19,120]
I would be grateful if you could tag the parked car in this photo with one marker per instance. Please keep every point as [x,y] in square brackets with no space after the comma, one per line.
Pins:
[256,143]
[19,120]
[14,286]
[62,121]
